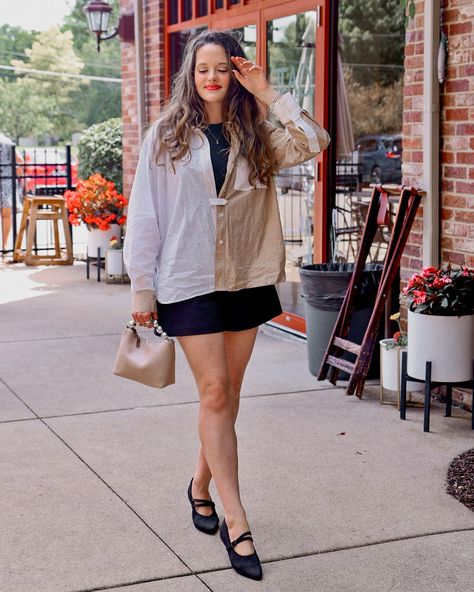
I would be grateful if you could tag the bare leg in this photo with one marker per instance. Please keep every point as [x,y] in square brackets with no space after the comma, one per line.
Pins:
[207,358]
[6,225]
[238,348]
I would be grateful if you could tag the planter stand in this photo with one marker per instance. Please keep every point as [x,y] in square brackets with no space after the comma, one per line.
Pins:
[392,381]
[97,260]
[429,385]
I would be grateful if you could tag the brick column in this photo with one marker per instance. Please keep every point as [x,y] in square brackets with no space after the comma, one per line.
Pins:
[153,39]
[457,140]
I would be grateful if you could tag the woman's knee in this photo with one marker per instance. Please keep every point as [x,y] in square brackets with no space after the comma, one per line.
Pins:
[216,394]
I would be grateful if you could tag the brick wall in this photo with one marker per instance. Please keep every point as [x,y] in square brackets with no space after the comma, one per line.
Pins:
[457,138]
[457,134]
[153,37]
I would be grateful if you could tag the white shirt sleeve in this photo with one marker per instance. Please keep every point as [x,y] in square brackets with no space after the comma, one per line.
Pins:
[142,238]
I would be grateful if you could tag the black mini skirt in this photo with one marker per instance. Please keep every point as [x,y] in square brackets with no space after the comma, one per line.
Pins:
[220,311]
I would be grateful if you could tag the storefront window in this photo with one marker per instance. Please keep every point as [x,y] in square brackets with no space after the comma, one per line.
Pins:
[291,57]
[187,10]
[172,13]
[178,42]
[247,37]
[369,115]
[202,8]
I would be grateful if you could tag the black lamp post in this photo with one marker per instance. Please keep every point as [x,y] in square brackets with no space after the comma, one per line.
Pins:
[98,15]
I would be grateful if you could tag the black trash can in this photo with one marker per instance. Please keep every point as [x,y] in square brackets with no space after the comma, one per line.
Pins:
[324,286]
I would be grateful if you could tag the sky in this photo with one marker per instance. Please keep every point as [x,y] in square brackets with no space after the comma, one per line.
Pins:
[39,15]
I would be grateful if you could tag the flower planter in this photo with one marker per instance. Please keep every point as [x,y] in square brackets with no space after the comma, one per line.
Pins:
[391,368]
[97,238]
[447,342]
[114,262]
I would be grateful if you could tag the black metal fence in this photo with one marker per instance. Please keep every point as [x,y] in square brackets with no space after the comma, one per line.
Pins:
[39,171]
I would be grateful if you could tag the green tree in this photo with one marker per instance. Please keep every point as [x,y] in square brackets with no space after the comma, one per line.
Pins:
[100,151]
[13,43]
[99,100]
[373,34]
[53,51]
[375,108]
[21,114]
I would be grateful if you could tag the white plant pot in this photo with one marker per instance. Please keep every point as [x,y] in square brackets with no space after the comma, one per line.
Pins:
[114,262]
[391,368]
[97,238]
[446,342]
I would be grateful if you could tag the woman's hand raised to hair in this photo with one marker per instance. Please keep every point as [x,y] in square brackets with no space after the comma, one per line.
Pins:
[253,79]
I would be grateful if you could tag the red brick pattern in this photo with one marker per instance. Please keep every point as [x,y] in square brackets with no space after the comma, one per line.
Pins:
[457,140]
[457,134]
[153,36]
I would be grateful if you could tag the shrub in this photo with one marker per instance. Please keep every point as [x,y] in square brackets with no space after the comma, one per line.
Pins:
[100,151]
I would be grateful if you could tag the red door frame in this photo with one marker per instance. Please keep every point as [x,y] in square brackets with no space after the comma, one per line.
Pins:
[259,12]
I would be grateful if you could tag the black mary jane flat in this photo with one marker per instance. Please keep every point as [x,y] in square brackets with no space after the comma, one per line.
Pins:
[207,524]
[246,565]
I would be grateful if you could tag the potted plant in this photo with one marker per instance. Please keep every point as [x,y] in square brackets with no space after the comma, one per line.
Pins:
[390,361]
[97,204]
[114,258]
[441,323]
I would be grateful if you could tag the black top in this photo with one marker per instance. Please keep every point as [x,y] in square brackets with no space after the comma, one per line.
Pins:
[219,152]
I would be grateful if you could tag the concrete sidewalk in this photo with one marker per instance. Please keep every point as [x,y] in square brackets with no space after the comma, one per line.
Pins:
[341,495]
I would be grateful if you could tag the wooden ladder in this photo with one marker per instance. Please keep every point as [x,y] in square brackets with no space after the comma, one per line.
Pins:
[332,362]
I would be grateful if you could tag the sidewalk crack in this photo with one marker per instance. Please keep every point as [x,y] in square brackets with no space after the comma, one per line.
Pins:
[144,522]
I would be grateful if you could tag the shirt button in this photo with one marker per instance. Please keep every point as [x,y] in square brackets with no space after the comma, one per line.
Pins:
[221,215]
[221,242]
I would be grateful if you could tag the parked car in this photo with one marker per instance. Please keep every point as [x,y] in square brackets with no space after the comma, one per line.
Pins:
[381,156]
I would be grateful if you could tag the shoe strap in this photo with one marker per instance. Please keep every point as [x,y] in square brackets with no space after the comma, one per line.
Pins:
[246,536]
[196,503]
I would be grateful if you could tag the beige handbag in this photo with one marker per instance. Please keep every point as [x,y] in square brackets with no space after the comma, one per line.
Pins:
[146,362]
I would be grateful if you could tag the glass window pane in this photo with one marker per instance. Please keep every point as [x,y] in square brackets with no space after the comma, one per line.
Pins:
[247,37]
[291,54]
[219,3]
[202,8]
[187,10]
[370,87]
[178,42]
[371,145]
[172,12]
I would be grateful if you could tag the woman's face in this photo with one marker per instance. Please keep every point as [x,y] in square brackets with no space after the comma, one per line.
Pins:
[212,73]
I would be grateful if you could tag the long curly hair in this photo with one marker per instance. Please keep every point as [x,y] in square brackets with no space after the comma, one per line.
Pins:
[184,111]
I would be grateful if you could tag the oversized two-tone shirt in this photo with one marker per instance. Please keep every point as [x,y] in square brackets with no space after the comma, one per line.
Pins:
[184,240]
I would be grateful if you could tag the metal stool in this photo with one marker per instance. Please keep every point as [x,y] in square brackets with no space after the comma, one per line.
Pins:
[43,208]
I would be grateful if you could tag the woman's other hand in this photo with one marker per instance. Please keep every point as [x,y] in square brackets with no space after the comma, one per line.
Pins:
[253,79]
[145,319]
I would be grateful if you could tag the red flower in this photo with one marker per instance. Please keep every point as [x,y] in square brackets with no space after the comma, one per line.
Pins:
[96,203]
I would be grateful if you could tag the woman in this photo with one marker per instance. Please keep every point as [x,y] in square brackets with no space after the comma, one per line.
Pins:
[204,246]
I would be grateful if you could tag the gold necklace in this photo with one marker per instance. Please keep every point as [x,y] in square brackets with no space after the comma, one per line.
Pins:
[216,139]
